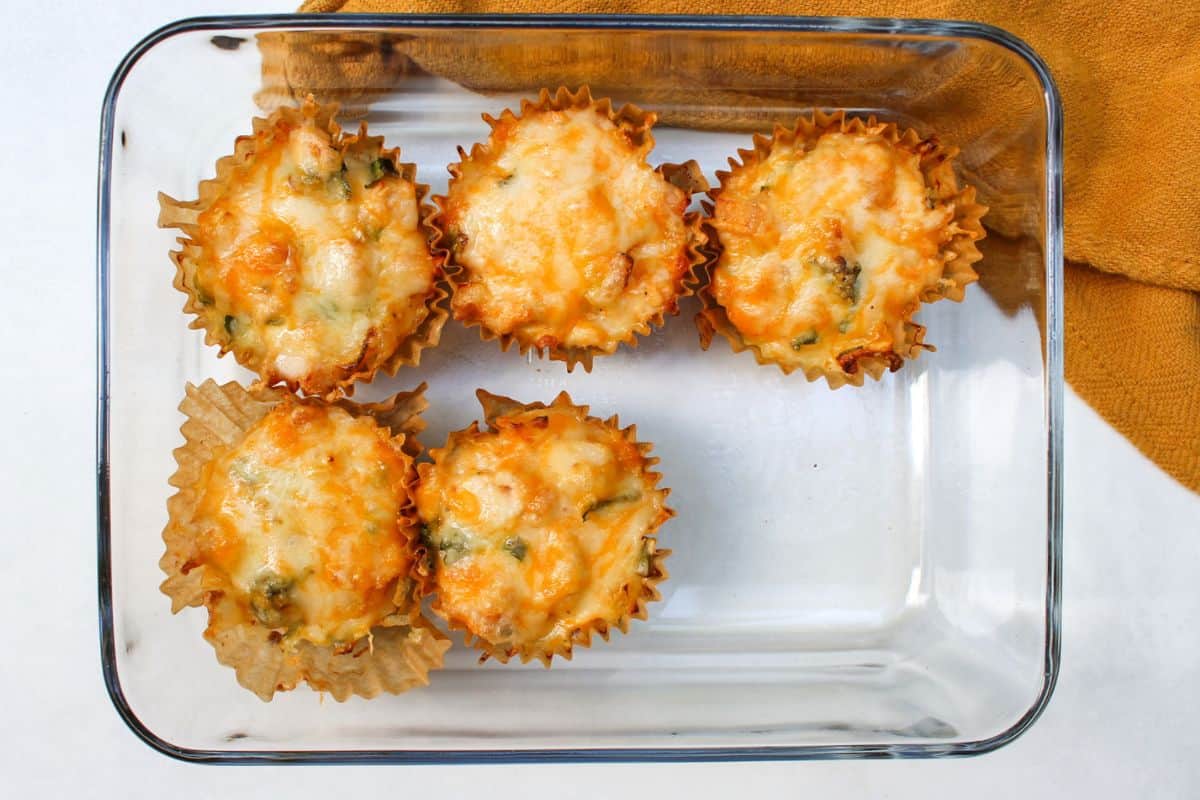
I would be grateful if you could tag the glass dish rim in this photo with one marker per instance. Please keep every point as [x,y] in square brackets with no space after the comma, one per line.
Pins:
[799,24]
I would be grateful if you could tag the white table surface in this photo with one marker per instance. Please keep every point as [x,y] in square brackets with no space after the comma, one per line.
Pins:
[1124,722]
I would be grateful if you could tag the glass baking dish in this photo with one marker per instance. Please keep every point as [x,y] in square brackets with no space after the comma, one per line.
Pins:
[861,573]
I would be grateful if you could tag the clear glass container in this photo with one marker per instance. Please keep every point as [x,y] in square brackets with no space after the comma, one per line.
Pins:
[860,573]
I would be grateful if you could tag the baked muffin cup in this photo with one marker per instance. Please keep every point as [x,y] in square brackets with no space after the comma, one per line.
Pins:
[942,185]
[636,124]
[396,655]
[495,406]
[184,216]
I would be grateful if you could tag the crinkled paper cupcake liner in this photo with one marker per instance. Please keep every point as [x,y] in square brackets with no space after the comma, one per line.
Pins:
[184,215]
[640,592]
[965,229]
[636,124]
[397,654]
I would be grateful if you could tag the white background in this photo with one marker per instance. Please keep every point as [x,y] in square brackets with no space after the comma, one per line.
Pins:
[1124,722]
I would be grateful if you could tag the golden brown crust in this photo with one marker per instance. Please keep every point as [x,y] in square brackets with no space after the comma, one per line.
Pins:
[957,249]
[640,586]
[634,124]
[381,349]
[399,651]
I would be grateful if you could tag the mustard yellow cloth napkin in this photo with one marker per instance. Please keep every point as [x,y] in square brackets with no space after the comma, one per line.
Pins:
[1129,75]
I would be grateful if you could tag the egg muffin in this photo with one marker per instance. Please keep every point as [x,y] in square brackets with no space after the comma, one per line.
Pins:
[294,526]
[540,529]
[309,255]
[560,237]
[831,235]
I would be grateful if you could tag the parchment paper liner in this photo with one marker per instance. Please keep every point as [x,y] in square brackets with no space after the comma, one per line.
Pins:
[938,171]
[397,654]
[183,215]
[636,123]
[642,589]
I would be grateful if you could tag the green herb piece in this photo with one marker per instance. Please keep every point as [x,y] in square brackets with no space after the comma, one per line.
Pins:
[275,321]
[845,279]
[843,275]
[600,505]
[328,309]
[427,536]
[270,597]
[845,324]
[231,325]
[515,546]
[506,179]
[806,338]
[203,297]
[380,169]
[339,186]
[452,544]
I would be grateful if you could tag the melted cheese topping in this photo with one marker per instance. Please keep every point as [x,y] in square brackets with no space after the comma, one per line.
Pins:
[539,527]
[302,523]
[568,238]
[312,262]
[826,251]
